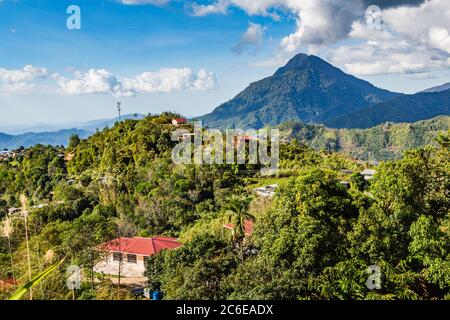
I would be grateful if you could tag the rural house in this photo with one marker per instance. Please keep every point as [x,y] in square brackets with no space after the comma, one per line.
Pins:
[130,255]
[179,121]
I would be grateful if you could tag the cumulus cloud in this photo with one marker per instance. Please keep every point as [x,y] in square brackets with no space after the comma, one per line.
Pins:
[165,80]
[102,81]
[414,38]
[18,81]
[252,38]
[28,73]
[414,41]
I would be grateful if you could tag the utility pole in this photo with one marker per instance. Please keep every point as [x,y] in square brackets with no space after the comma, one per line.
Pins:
[119,108]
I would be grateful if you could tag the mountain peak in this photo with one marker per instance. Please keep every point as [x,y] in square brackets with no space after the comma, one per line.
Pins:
[307,88]
[304,61]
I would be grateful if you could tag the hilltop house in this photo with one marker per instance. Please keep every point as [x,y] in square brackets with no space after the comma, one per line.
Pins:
[130,255]
[178,121]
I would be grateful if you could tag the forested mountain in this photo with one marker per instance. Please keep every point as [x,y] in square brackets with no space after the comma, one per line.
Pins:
[406,108]
[384,142]
[307,89]
[314,240]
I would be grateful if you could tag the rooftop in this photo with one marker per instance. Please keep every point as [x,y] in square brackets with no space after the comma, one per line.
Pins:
[141,246]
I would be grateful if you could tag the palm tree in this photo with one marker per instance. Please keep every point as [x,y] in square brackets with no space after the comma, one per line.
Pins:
[24,202]
[6,230]
[238,213]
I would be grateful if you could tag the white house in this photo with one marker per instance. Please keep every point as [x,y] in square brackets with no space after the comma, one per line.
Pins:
[130,255]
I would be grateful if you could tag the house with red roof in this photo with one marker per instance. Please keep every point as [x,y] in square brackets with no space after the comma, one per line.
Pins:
[129,256]
[178,121]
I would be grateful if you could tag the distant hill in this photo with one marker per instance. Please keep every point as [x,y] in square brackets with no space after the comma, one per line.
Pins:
[406,108]
[89,125]
[441,88]
[384,142]
[61,136]
[306,89]
[55,138]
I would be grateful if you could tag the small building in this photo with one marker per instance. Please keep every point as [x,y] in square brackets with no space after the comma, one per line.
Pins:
[346,171]
[130,255]
[248,227]
[368,174]
[178,121]
[267,191]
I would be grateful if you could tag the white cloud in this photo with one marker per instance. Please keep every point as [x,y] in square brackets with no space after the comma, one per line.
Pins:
[28,73]
[220,7]
[414,41]
[165,80]
[253,37]
[18,81]
[93,81]
[170,79]
[144,2]
[252,7]
[415,35]
[102,81]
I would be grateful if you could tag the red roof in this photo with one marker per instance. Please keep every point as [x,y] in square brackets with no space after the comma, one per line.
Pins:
[248,227]
[180,120]
[141,246]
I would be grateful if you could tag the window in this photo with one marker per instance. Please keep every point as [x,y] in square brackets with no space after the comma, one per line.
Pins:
[131,258]
[146,262]
[117,256]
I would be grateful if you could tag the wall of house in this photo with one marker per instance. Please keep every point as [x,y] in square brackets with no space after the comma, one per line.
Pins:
[111,267]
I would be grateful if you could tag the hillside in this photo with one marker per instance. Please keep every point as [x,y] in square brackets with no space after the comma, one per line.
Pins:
[383,142]
[406,108]
[121,182]
[306,89]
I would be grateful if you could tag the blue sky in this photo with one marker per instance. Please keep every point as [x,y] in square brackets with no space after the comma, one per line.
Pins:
[209,51]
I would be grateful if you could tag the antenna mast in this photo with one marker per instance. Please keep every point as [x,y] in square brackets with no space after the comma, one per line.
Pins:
[119,108]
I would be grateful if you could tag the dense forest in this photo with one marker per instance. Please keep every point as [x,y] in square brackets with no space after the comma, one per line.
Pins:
[314,240]
[388,141]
